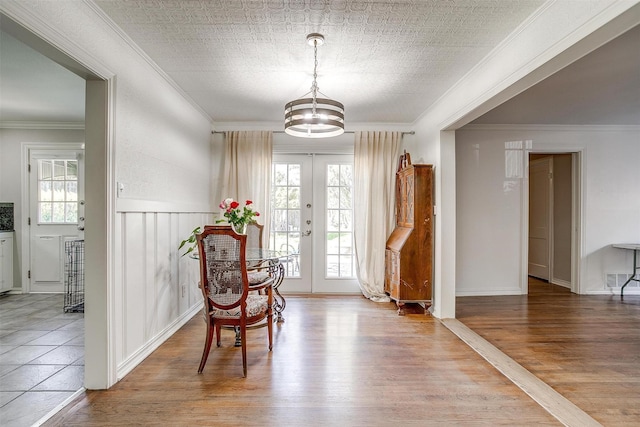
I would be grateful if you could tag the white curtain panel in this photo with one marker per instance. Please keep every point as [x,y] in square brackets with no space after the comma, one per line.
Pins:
[375,160]
[247,172]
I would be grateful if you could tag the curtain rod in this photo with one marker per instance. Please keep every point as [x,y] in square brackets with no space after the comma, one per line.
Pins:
[346,131]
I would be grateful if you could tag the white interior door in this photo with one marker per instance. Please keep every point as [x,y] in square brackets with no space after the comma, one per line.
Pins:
[540,192]
[55,213]
[312,216]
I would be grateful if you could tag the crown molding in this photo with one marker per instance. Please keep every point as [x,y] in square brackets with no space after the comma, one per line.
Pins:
[551,128]
[41,125]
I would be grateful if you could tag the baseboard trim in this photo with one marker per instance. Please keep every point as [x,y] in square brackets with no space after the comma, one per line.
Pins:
[136,358]
[553,402]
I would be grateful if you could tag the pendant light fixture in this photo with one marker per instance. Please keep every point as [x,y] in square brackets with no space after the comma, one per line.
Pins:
[313,117]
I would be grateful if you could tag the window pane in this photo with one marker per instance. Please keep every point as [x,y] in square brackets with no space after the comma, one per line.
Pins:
[44,170]
[333,220]
[72,191]
[294,220]
[333,197]
[294,175]
[346,266]
[280,240]
[280,174]
[45,191]
[333,175]
[72,170]
[72,212]
[58,191]
[346,220]
[280,197]
[333,266]
[44,214]
[346,175]
[58,212]
[345,197]
[58,169]
[279,220]
[345,244]
[294,198]
[333,243]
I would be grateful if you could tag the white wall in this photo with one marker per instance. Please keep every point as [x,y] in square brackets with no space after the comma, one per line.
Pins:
[160,149]
[11,172]
[490,206]
[556,35]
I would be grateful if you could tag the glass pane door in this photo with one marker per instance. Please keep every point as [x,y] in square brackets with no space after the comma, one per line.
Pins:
[334,257]
[291,198]
[312,218]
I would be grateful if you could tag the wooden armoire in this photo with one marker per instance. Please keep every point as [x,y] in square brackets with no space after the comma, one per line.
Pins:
[409,250]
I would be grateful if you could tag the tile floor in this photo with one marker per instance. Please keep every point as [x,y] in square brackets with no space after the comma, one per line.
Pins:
[41,356]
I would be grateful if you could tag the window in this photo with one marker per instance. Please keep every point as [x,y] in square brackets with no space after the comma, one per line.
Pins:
[57,191]
[285,212]
[339,214]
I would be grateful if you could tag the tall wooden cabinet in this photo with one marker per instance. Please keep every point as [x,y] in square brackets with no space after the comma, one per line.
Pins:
[409,250]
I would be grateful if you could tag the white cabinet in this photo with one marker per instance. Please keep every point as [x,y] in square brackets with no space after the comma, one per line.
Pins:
[6,261]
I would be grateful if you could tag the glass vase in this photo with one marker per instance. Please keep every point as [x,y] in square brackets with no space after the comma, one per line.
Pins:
[239,228]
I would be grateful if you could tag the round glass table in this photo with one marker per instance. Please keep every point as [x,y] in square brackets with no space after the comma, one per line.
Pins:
[269,261]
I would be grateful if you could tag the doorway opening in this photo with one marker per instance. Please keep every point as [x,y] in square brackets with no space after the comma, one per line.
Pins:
[553,208]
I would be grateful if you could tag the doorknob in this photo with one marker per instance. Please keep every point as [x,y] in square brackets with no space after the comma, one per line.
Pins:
[306,233]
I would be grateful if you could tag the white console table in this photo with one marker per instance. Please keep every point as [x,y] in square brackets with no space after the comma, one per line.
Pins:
[635,247]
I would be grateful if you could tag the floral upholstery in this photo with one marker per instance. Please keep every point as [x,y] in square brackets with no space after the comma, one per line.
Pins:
[256,277]
[256,304]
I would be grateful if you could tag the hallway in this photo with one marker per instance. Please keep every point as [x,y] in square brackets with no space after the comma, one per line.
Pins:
[41,356]
[585,347]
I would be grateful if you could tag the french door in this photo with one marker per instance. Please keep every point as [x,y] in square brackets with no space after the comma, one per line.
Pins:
[312,218]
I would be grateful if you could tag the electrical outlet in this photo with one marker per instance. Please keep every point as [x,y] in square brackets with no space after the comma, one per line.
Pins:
[184,290]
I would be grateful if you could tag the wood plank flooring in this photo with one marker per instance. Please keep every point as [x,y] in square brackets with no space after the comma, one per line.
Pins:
[336,361]
[585,347]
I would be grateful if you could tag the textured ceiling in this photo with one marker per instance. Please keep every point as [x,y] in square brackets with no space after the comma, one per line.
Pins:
[386,61]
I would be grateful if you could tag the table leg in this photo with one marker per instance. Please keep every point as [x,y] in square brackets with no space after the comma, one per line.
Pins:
[633,274]
[278,300]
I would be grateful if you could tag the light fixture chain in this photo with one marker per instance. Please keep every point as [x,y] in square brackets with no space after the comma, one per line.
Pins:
[314,86]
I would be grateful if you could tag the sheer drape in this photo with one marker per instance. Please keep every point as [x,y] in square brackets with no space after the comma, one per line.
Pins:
[247,171]
[375,160]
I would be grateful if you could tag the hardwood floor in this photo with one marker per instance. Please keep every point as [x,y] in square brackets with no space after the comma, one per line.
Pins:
[585,347]
[336,361]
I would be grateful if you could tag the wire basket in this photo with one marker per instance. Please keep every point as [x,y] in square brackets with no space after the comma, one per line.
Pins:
[74,276]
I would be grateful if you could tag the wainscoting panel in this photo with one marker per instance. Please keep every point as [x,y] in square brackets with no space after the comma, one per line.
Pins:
[156,289]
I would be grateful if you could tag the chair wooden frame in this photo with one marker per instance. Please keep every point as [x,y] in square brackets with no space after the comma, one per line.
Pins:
[213,309]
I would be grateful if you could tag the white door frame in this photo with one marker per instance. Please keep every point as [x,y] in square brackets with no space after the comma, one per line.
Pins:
[26,148]
[548,213]
[577,223]
[100,195]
